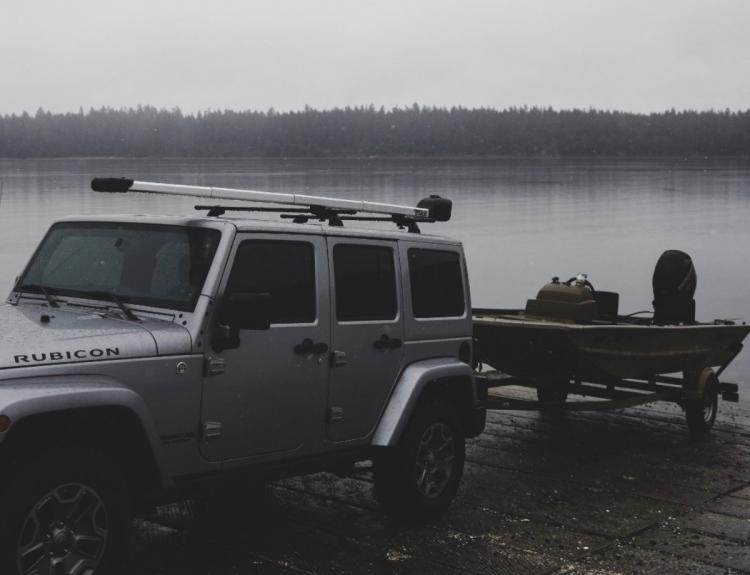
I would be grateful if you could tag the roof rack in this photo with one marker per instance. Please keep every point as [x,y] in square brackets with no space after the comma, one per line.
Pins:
[333,210]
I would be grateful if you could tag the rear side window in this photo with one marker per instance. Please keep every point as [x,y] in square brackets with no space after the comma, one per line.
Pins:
[365,283]
[437,288]
[286,270]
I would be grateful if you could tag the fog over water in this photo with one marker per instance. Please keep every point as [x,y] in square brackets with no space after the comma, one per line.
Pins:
[521,221]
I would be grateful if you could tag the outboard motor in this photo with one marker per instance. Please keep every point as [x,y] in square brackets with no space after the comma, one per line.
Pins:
[674,286]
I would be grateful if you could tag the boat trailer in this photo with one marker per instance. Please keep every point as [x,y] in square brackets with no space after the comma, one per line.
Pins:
[633,392]
[695,392]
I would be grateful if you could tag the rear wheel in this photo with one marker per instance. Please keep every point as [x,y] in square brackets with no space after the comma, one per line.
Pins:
[422,474]
[700,412]
[66,513]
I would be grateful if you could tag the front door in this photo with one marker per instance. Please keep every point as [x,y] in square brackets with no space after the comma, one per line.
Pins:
[367,334]
[271,396]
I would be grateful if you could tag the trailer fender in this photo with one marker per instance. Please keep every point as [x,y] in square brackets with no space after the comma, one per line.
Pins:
[698,381]
[414,380]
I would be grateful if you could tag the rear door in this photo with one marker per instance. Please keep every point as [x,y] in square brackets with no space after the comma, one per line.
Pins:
[367,334]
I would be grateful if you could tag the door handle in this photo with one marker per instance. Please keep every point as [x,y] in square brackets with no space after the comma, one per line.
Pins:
[309,347]
[385,342]
[320,347]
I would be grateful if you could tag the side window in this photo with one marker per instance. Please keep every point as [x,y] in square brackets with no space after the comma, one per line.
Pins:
[437,288]
[286,270]
[365,283]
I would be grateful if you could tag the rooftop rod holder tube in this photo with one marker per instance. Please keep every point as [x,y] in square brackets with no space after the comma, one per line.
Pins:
[123,185]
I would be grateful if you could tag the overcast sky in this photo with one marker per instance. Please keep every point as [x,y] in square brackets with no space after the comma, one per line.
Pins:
[638,55]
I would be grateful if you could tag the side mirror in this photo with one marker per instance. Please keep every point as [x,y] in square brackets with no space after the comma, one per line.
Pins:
[246,311]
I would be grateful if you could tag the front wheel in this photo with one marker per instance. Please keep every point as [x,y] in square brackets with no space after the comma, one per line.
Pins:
[66,513]
[422,474]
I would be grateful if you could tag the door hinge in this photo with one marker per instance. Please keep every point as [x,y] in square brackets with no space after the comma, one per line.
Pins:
[335,413]
[337,358]
[211,430]
[213,366]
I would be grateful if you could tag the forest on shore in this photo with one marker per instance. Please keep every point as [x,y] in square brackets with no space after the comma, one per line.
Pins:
[146,131]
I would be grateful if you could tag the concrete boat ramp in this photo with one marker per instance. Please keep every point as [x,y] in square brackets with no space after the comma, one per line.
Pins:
[580,494]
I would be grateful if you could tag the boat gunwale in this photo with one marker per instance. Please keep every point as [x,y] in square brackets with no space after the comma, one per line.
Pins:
[530,322]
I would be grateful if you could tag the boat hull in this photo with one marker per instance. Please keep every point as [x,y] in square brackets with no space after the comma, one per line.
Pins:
[537,348]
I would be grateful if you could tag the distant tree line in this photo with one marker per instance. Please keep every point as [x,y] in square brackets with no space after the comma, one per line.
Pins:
[371,131]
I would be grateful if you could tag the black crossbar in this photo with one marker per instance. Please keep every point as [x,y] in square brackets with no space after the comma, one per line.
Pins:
[334,216]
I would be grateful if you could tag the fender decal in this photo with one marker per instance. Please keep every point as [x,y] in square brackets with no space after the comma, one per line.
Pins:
[70,355]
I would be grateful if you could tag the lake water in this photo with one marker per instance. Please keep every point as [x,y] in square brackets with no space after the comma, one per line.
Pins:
[521,221]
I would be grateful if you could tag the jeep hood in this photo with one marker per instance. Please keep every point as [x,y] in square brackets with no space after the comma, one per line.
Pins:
[32,335]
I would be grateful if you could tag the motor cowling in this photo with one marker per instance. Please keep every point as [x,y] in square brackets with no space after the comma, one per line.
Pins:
[674,284]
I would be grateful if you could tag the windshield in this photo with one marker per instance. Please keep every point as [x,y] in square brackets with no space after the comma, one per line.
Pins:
[147,264]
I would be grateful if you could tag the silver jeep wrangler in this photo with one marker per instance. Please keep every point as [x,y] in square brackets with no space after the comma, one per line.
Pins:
[146,356]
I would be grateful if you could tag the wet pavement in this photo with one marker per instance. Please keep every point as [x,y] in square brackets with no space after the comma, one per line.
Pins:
[584,493]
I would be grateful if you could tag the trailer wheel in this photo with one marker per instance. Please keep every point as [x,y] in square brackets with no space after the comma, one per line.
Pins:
[700,412]
[421,475]
[552,391]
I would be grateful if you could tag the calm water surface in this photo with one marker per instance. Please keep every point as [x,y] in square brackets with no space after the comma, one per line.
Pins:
[521,221]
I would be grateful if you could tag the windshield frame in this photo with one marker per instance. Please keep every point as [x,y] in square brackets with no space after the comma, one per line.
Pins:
[148,302]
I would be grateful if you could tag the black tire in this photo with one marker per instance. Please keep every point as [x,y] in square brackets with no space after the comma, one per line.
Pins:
[64,507]
[553,392]
[420,476]
[700,413]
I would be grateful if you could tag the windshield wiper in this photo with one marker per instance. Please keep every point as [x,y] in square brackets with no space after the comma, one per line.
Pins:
[112,297]
[40,288]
